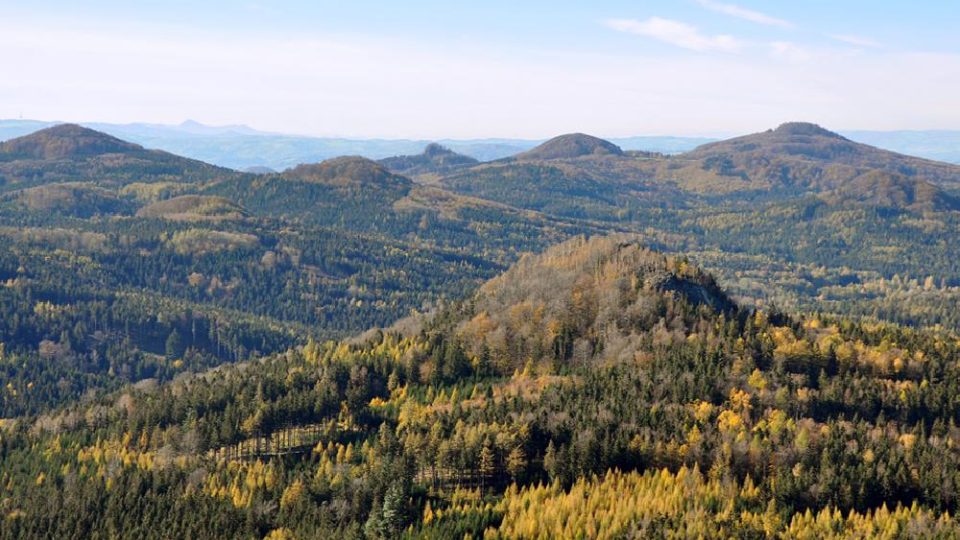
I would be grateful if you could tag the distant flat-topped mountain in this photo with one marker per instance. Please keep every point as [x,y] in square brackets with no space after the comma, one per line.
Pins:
[435,159]
[72,153]
[572,145]
[792,138]
[347,171]
[796,155]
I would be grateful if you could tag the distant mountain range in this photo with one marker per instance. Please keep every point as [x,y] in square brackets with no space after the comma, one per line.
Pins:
[791,196]
[794,159]
[241,147]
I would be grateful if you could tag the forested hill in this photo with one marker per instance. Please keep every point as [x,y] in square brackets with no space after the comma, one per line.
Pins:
[71,153]
[797,155]
[572,145]
[796,216]
[120,264]
[348,171]
[435,159]
[65,141]
[794,159]
[784,164]
[895,191]
[599,390]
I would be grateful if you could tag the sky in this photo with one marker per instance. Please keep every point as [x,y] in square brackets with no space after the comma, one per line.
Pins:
[496,68]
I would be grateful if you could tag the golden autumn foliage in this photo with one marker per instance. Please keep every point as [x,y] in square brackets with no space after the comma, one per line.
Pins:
[686,504]
[239,482]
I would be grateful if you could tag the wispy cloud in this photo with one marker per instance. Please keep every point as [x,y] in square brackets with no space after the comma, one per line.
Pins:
[126,71]
[743,13]
[789,51]
[676,33]
[859,41]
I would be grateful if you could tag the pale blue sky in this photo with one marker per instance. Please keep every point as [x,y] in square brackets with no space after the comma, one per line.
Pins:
[494,68]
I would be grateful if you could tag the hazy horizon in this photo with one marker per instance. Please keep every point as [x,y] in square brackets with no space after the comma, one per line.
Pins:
[430,70]
[255,130]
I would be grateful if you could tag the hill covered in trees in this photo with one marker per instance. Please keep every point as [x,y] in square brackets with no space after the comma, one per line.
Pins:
[71,153]
[794,159]
[600,389]
[890,190]
[193,207]
[796,155]
[797,216]
[435,159]
[65,141]
[572,145]
[348,171]
[122,264]
[80,199]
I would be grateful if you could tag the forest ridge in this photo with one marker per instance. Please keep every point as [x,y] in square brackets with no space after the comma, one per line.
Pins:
[754,338]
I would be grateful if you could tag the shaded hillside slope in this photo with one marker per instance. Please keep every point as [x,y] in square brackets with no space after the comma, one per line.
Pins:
[435,159]
[71,153]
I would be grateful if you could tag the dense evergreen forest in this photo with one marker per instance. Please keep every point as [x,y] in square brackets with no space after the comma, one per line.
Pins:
[754,339]
[599,390]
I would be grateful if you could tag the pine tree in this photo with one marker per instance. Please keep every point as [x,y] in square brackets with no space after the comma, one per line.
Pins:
[487,466]
[516,463]
[174,345]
